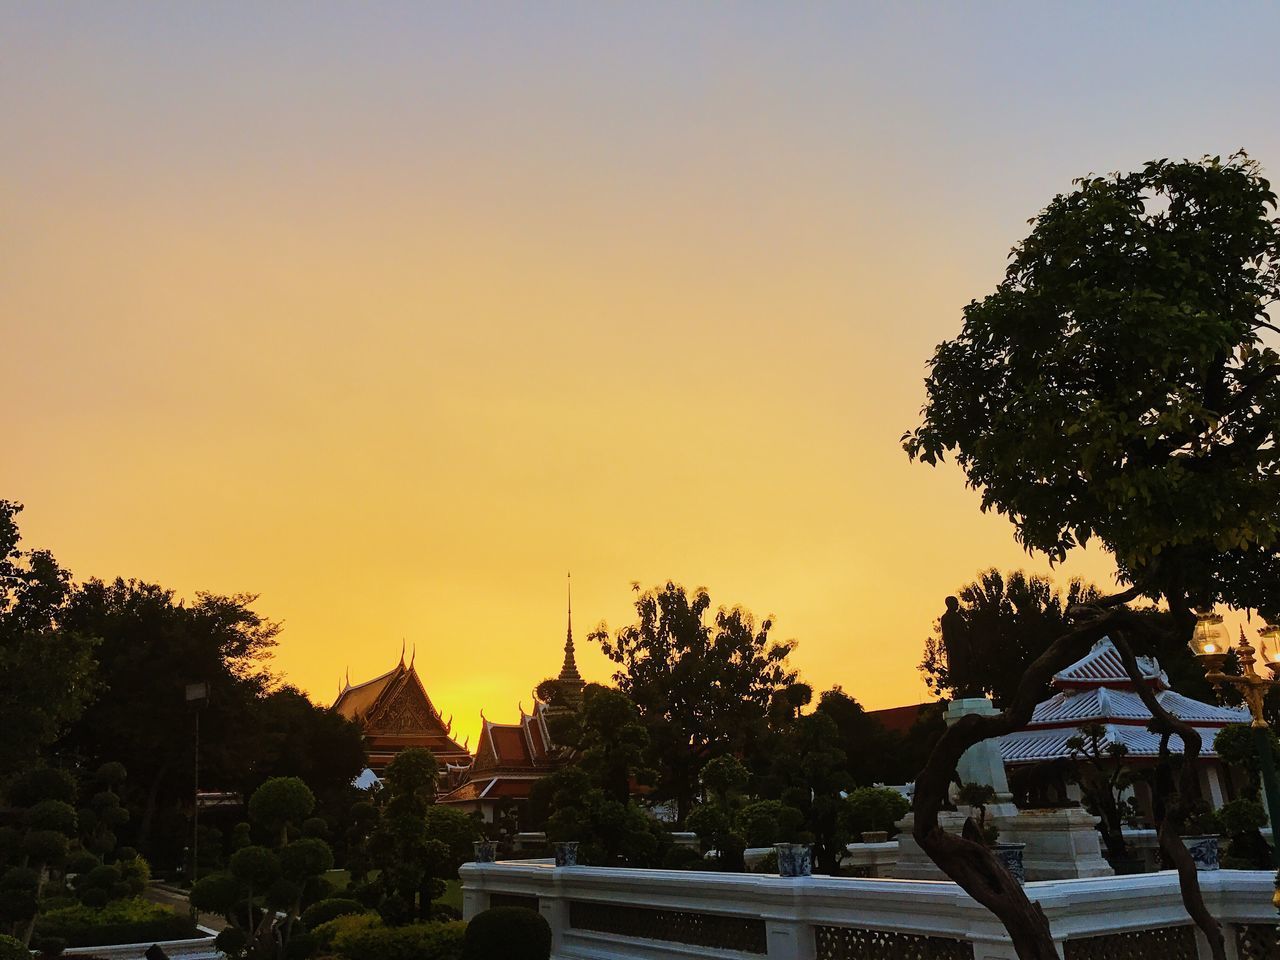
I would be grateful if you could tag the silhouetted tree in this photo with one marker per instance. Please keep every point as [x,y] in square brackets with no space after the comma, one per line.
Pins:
[1115,388]
[703,688]
[152,645]
[46,668]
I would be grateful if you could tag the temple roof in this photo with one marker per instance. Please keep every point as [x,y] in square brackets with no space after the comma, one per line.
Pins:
[1097,690]
[355,701]
[1102,666]
[395,712]
[1051,744]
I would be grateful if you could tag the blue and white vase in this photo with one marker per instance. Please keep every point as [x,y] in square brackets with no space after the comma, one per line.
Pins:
[1204,851]
[486,851]
[1010,856]
[567,853]
[794,859]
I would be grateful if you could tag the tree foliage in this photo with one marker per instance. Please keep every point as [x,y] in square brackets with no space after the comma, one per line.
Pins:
[1116,387]
[703,683]
[46,672]
[152,645]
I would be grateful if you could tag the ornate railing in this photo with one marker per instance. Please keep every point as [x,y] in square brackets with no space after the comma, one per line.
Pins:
[1257,941]
[856,943]
[1160,943]
[744,934]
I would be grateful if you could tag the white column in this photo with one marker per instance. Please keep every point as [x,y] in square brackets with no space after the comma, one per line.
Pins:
[556,912]
[790,940]
[473,902]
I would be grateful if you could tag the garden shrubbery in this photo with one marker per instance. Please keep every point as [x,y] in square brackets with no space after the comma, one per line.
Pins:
[326,910]
[418,941]
[507,933]
[132,920]
[332,934]
[12,949]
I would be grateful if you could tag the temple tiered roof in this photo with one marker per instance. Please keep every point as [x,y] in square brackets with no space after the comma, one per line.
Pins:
[1097,690]
[511,757]
[395,713]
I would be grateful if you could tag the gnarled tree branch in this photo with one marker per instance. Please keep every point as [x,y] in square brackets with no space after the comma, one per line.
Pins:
[1165,723]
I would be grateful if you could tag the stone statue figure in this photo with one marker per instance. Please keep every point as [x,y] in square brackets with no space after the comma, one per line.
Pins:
[959,646]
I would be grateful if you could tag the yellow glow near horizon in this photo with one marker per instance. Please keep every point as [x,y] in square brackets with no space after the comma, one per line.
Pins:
[392,317]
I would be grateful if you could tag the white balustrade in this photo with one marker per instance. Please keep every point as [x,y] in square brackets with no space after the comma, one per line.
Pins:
[623,914]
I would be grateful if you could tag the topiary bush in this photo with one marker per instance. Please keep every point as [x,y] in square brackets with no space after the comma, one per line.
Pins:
[326,910]
[133,920]
[11,949]
[507,933]
[332,934]
[419,941]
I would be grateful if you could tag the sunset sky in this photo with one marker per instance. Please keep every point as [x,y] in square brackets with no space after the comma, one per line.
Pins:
[393,313]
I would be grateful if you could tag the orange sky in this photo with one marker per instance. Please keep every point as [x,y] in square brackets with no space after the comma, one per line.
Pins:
[393,315]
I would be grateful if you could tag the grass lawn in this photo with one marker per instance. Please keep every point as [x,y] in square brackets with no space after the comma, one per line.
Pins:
[452,894]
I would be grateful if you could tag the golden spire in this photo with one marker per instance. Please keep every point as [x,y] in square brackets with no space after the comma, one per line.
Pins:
[569,671]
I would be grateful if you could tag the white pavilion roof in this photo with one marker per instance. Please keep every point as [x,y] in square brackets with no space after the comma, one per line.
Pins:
[1097,690]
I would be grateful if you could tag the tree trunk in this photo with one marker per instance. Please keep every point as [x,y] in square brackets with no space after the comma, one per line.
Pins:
[149,811]
[970,864]
[1171,844]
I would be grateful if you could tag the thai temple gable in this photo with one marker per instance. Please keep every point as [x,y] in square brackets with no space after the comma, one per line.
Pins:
[395,713]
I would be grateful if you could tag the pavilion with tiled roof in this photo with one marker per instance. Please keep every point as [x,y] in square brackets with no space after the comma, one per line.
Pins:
[1097,690]
[395,713]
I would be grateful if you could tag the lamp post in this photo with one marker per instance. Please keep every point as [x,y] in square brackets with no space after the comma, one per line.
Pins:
[1210,645]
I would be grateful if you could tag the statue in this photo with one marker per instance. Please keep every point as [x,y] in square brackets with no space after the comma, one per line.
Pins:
[959,646]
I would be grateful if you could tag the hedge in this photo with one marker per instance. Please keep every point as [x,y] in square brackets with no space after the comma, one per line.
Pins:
[419,941]
[326,910]
[332,934]
[508,933]
[134,920]
[12,949]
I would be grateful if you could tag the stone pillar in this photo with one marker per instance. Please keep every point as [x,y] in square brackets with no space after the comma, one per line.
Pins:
[790,940]
[473,902]
[556,912]
[982,762]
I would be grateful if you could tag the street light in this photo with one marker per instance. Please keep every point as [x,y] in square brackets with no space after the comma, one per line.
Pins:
[1210,645]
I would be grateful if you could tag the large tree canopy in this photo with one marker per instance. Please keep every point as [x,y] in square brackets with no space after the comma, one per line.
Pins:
[152,645]
[1116,385]
[45,672]
[703,687]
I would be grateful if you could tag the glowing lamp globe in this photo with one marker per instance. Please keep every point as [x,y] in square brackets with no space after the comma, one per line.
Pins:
[1209,641]
[1270,646]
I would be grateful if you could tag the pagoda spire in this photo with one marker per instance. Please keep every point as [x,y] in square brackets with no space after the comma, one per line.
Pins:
[569,671]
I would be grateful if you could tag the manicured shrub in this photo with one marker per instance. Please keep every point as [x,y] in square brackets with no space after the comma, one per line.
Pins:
[326,910]
[81,862]
[507,933]
[874,809]
[419,941]
[52,815]
[332,934]
[305,858]
[442,912]
[12,949]
[132,920]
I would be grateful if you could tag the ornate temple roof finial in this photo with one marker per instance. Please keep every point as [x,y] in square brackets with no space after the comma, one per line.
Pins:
[569,671]
[413,656]
[402,651]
